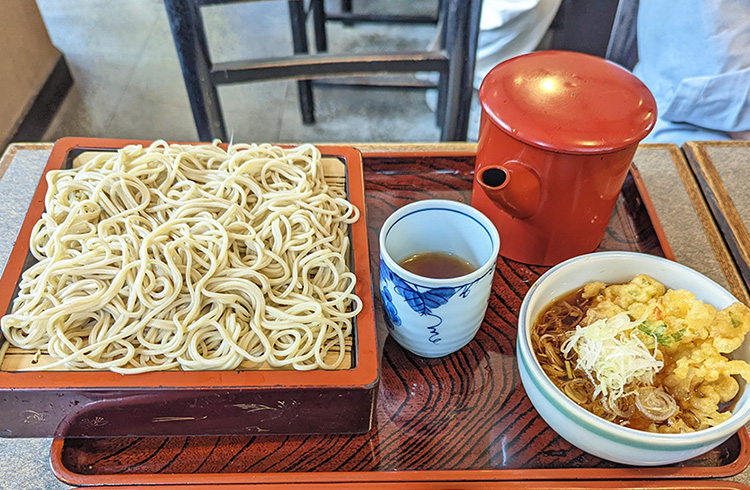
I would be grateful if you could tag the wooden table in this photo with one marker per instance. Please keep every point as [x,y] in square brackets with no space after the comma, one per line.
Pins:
[696,238]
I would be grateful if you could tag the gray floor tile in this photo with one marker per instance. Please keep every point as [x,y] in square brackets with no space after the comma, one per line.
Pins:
[364,38]
[128,82]
[253,112]
[359,115]
[76,118]
[154,103]
[413,7]
[102,42]
[104,27]
[248,30]
[156,97]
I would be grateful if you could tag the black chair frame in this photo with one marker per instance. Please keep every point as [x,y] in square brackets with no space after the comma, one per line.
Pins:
[454,63]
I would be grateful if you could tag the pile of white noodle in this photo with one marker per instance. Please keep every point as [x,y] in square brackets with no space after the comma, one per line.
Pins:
[189,257]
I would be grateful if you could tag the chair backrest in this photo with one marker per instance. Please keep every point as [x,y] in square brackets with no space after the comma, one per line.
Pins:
[623,39]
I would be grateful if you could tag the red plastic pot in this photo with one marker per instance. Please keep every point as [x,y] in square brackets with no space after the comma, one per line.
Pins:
[557,135]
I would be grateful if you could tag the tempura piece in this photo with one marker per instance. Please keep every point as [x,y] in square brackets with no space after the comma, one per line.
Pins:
[682,313]
[685,337]
[730,326]
[641,289]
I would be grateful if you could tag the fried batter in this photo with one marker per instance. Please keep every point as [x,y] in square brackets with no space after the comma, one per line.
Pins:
[691,336]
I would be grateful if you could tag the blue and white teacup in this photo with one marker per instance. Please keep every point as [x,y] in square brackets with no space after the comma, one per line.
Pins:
[435,317]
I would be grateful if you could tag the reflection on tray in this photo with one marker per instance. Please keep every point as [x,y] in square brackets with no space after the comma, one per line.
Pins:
[460,418]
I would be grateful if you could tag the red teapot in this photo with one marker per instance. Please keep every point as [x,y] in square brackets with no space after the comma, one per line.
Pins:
[557,134]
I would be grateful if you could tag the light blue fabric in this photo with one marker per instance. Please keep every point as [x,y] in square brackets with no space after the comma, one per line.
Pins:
[678,133]
[694,55]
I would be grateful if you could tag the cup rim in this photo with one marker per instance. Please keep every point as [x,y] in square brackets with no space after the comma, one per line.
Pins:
[425,204]
[582,416]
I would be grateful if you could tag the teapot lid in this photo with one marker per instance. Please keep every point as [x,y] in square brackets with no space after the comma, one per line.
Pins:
[568,102]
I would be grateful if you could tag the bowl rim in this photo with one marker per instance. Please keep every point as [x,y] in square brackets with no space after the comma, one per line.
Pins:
[583,417]
[440,205]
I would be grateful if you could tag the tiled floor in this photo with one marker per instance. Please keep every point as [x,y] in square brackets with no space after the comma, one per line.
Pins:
[128,82]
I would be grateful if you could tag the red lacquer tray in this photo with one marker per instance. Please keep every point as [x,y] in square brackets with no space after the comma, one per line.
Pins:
[484,485]
[464,418]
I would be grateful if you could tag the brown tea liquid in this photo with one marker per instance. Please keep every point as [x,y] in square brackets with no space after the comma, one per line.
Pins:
[437,265]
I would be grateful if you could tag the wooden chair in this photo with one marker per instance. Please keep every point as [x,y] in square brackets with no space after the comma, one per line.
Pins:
[454,62]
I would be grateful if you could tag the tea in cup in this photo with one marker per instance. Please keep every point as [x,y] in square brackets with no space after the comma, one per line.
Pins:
[437,263]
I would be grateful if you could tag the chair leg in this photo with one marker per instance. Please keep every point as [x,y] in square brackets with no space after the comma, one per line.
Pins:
[192,50]
[462,31]
[442,84]
[346,8]
[299,39]
[319,25]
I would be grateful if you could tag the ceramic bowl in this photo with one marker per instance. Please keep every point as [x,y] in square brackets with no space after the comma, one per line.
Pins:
[584,429]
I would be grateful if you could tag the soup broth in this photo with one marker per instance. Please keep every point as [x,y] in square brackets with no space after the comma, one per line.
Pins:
[622,352]
[558,319]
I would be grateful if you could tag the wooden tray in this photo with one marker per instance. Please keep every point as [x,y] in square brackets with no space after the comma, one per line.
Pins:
[462,419]
[721,168]
[103,403]
[482,485]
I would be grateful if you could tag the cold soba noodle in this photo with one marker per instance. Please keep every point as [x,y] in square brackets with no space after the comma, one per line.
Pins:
[643,356]
[189,257]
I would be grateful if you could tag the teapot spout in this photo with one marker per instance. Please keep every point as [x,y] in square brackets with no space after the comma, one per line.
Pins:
[512,186]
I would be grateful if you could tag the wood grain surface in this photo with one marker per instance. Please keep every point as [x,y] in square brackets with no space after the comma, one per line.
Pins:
[464,417]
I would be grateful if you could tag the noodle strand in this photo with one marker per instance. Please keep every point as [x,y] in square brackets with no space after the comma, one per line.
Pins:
[190,257]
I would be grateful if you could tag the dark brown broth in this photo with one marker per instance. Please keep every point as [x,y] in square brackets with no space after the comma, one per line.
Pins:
[437,265]
[568,322]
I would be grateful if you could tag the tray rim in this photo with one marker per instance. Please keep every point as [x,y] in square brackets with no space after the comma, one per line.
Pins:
[255,480]
[364,374]
[720,202]
[400,476]
[481,485]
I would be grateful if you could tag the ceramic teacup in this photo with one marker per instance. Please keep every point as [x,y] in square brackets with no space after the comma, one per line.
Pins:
[427,316]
